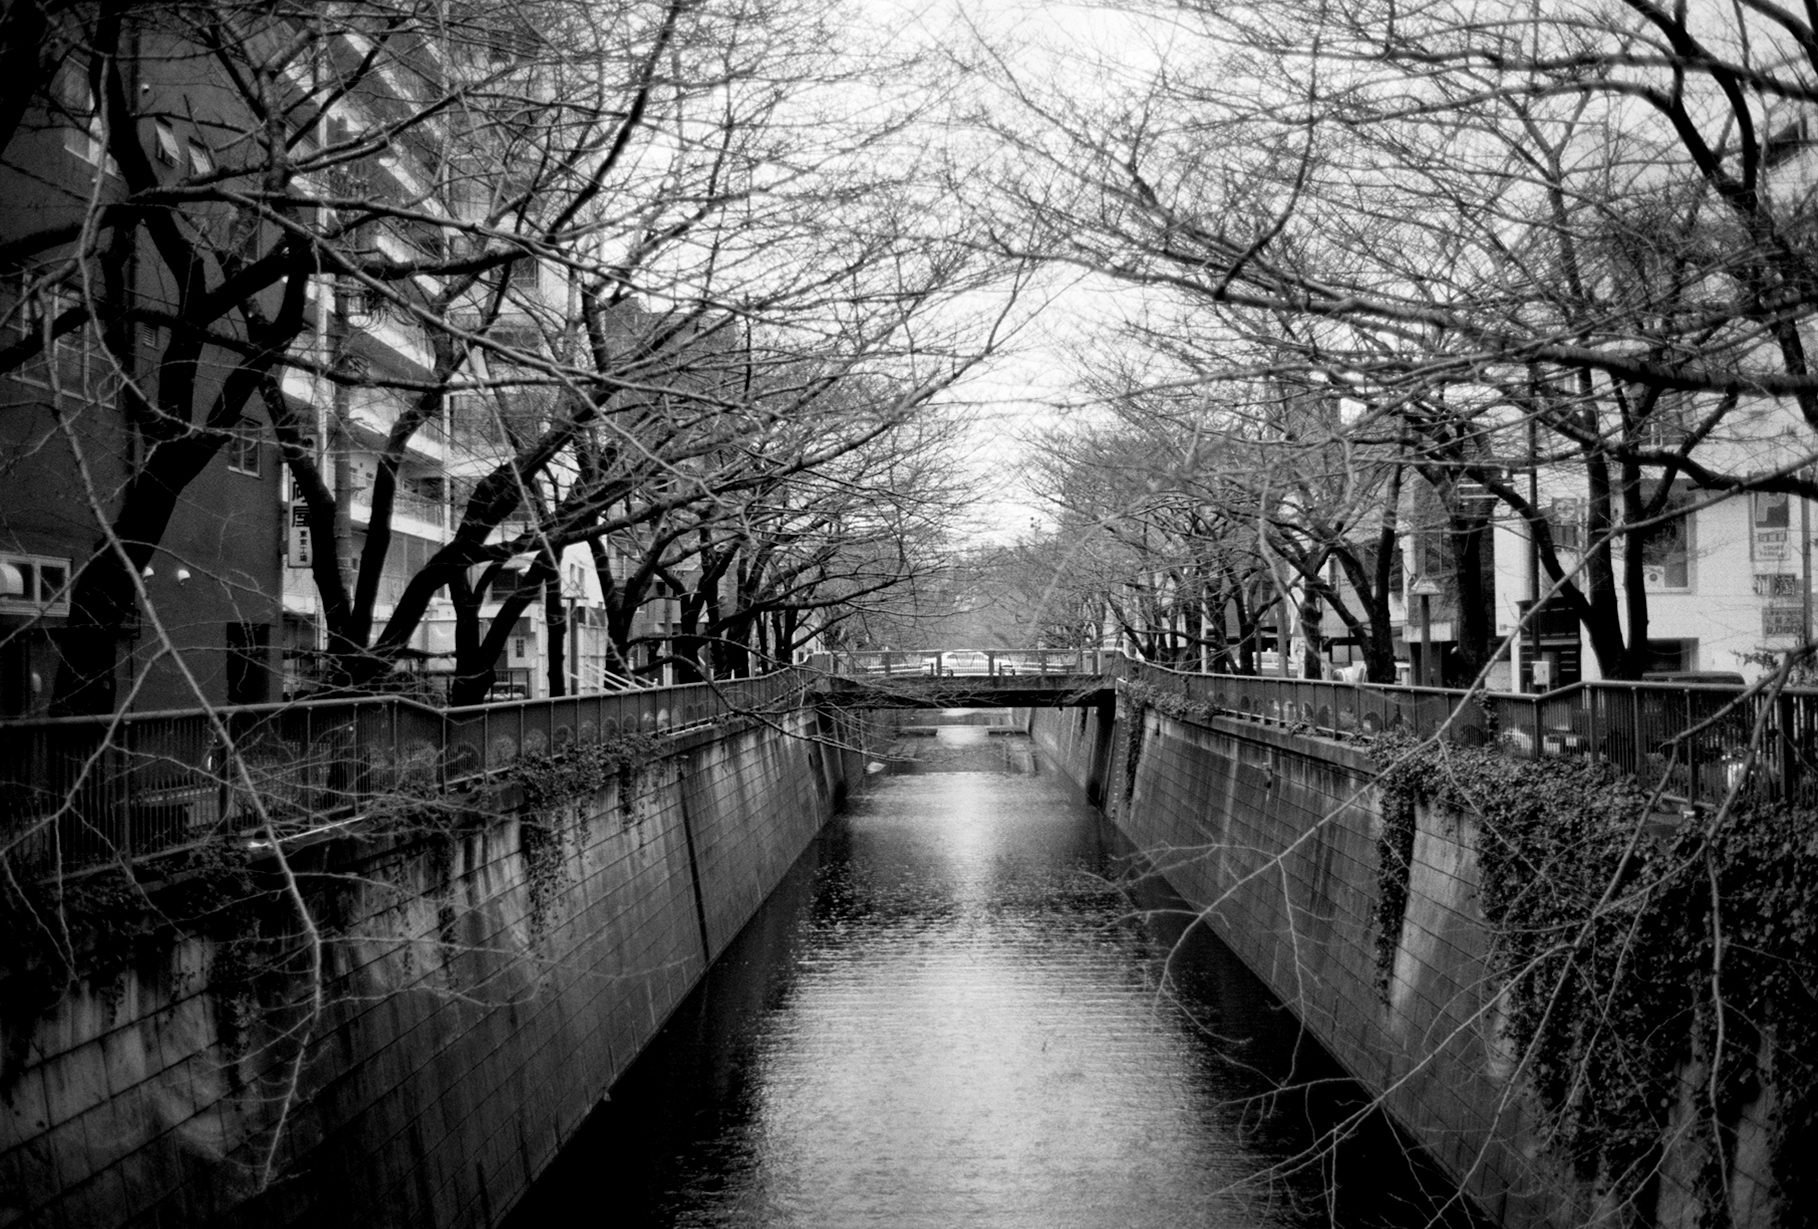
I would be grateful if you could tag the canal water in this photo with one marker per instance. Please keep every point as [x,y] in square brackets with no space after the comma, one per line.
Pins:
[960,1010]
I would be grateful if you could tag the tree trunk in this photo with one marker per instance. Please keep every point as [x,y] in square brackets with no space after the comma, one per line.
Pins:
[555,620]
[104,599]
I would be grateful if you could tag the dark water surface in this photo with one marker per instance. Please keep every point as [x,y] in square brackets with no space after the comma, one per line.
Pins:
[952,1014]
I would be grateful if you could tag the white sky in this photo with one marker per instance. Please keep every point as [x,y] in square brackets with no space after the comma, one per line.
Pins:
[1077,49]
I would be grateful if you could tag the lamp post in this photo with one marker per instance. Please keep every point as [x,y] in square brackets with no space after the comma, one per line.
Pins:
[1426,589]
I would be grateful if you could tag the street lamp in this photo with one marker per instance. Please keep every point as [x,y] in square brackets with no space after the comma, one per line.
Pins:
[1426,589]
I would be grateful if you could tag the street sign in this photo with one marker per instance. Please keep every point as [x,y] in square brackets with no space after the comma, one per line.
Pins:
[1782,620]
[299,551]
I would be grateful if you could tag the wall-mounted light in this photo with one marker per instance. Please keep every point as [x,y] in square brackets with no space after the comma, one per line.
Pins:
[182,575]
[149,572]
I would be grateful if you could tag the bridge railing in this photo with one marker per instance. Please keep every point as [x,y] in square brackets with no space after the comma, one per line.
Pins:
[1697,736]
[932,663]
[79,791]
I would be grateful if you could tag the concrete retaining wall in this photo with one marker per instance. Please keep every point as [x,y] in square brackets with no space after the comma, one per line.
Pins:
[481,991]
[1275,835]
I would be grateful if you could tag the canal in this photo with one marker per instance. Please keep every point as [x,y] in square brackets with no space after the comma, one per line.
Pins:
[961,1009]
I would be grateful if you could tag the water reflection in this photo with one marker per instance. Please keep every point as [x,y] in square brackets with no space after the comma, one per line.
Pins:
[950,1016]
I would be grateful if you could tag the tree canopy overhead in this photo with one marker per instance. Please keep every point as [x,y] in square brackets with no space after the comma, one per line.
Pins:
[1464,222]
[618,261]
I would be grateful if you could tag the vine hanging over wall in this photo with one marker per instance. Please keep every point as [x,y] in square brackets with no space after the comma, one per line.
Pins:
[578,769]
[563,779]
[1660,975]
[1394,863]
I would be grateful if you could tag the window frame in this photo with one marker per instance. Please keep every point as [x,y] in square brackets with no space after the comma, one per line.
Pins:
[245,442]
[1683,526]
[165,146]
[84,134]
[44,596]
[73,352]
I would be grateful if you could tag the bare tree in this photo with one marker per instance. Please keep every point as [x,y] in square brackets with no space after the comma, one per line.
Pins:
[579,232]
[1476,220]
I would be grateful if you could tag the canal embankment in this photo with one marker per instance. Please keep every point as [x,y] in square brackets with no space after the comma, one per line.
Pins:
[1371,928]
[958,1010]
[403,1026]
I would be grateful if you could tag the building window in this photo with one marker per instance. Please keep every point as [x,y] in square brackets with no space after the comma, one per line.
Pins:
[1770,517]
[200,160]
[1671,656]
[1666,546]
[34,584]
[1565,520]
[166,149]
[1668,423]
[524,276]
[83,134]
[24,318]
[243,448]
[30,307]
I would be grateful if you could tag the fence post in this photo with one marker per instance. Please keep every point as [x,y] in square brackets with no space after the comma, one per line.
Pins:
[119,800]
[1637,757]
[1694,786]
[1787,766]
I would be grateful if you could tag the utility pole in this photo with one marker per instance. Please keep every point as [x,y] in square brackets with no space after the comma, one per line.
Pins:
[1533,653]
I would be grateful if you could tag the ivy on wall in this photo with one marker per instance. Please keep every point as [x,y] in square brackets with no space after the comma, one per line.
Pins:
[1652,966]
[1138,695]
[61,931]
[1394,863]
[562,780]
[578,769]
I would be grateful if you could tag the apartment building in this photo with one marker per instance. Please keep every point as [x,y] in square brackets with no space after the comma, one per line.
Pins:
[1727,577]
[83,441]
[138,438]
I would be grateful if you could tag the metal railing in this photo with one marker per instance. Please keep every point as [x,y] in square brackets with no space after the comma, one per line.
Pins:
[78,791]
[944,663]
[1697,737]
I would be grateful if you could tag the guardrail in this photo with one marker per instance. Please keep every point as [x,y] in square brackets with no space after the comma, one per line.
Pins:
[1697,737]
[78,791]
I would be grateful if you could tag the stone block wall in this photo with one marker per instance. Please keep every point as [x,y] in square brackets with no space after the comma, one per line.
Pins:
[482,984]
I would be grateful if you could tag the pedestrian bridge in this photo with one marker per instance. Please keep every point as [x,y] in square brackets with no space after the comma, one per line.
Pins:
[966,678]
